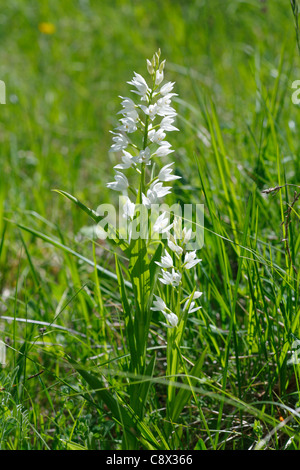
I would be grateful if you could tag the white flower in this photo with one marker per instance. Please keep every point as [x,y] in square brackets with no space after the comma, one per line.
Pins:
[128,125]
[141,86]
[191,299]
[155,192]
[151,110]
[165,173]
[127,159]
[145,156]
[163,150]
[159,76]
[159,189]
[120,183]
[166,99]
[171,318]
[178,227]
[150,67]
[128,209]
[186,234]
[181,234]
[134,115]
[120,142]
[156,136]
[166,261]
[167,88]
[129,109]
[172,278]
[197,294]
[158,305]
[172,242]
[192,307]
[128,105]
[161,224]
[166,124]
[164,108]
[174,247]
[146,201]
[190,260]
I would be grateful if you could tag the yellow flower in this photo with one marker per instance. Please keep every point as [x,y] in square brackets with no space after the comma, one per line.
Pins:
[47,28]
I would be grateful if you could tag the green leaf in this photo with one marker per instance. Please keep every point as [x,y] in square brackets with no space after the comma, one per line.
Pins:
[200,445]
[129,327]
[184,395]
[121,411]
[73,445]
[112,233]
[93,214]
[57,244]
[143,390]
[153,270]
[140,279]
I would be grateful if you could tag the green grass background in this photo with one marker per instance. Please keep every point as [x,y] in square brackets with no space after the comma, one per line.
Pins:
[233,63]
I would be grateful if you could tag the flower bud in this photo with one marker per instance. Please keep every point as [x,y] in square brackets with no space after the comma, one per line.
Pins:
[150,67]
[153,61]
[159,77]
[178,227]
[162,66]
